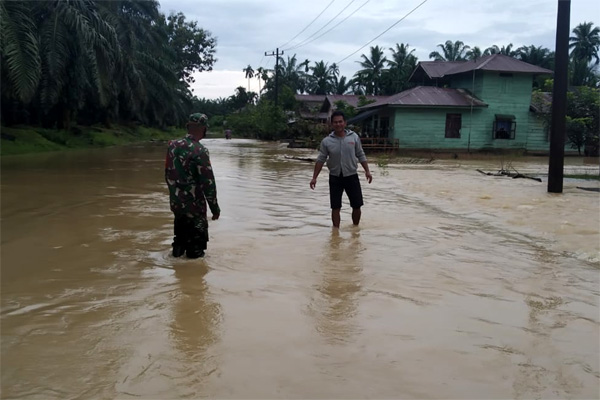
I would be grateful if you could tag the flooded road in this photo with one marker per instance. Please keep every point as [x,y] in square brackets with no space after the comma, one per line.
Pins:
[455,285]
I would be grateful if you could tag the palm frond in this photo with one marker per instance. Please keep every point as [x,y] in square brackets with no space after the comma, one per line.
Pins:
[19,49]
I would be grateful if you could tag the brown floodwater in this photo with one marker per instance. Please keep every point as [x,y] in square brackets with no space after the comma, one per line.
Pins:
[455,285]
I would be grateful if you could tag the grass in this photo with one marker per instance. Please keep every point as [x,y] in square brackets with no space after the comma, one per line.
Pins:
[28,139]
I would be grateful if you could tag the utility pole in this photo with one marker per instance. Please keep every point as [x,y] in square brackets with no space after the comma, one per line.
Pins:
[276,54]
[559,99]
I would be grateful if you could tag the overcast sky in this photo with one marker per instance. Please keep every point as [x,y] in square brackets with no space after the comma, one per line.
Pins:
[336,30]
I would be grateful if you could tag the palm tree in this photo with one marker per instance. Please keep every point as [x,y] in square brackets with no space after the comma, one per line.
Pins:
[453,51]
[540,56]
[341,85]
[249,74]
[322,79]
[505,50]
[474,53]
[372,70]
[292,74]
[259,74]
[401,65]
[585,43]
[19,50]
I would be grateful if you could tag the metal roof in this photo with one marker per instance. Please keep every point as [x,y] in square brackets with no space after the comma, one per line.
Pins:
[352,99]
[430,96]
[361,116]
[494,62]
[310,97]
[436,69]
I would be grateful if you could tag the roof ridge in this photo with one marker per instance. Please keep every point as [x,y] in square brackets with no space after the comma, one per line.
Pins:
[486,61]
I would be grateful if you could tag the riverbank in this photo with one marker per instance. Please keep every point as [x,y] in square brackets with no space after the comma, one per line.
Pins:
[29,139]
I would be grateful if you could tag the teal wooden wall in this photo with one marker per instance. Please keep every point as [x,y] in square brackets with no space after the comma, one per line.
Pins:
[424,128]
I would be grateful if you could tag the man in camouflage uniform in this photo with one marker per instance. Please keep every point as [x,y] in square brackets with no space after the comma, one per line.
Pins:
[191,183]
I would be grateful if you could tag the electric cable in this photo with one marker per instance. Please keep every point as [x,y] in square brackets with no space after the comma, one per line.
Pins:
[382,33]
[330,29]
[307,26]
[320,29]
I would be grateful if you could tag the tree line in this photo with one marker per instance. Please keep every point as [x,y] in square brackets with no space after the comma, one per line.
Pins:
[98,61]
[382,74]
[123,61]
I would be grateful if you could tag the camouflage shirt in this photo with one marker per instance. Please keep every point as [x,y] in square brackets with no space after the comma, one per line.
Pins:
[190,178]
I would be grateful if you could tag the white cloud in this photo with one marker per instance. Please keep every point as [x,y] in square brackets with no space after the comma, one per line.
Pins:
[246,29]
[215,84]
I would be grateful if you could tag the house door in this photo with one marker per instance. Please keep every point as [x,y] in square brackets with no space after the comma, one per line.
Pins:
[384,127]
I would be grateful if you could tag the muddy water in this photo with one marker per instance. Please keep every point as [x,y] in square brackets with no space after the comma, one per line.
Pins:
[455,285]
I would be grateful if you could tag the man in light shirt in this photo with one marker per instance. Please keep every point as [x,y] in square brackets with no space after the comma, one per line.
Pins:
[342,151]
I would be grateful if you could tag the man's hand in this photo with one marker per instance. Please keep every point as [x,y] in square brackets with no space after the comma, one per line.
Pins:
[313,183]
[368,176]
[216,216]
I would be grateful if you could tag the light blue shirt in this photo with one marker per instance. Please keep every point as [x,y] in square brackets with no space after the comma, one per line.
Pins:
[341,153]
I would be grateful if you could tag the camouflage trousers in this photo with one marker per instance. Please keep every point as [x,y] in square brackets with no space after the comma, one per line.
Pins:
[191,236]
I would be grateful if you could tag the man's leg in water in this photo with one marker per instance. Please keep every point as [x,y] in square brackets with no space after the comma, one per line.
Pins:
[335,217]
[356,216]
[181,235]
[198,239]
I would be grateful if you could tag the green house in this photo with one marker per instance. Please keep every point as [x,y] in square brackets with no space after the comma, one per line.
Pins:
[484,104]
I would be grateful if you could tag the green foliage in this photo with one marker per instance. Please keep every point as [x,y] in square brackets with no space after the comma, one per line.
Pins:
[363,101]
[583,116]
[263,121]
[346,108]
[216,121]
[577,132]
[193,46]
[21,140]
[98,61]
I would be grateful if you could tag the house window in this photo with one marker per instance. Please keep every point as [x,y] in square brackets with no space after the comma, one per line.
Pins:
[505,82]
[453,125]
[505,127]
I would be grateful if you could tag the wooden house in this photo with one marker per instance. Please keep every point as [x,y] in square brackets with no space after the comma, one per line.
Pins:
[483,104]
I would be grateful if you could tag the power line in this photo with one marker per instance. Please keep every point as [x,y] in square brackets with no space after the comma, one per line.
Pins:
[330,29]
[305,41]
[382,33]
[307,26]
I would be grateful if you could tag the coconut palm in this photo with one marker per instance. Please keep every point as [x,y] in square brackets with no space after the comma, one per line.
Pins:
[372,70]
[341,85]
[585,42]
[322,78]
[249,74]
[259,74]
[402,64]
[292,74]
[452,51]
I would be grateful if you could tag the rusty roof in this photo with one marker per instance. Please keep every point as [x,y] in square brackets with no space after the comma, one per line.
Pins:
[430,96]
[352,99]
[494,62]
[310,97]
[437,69]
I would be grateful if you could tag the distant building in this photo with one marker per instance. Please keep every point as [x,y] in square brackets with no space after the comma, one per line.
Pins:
[484,104]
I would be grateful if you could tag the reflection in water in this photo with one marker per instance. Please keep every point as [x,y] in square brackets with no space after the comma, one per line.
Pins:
[196,317]
[341,274]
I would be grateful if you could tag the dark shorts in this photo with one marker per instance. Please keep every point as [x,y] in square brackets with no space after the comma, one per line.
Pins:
[350,185]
